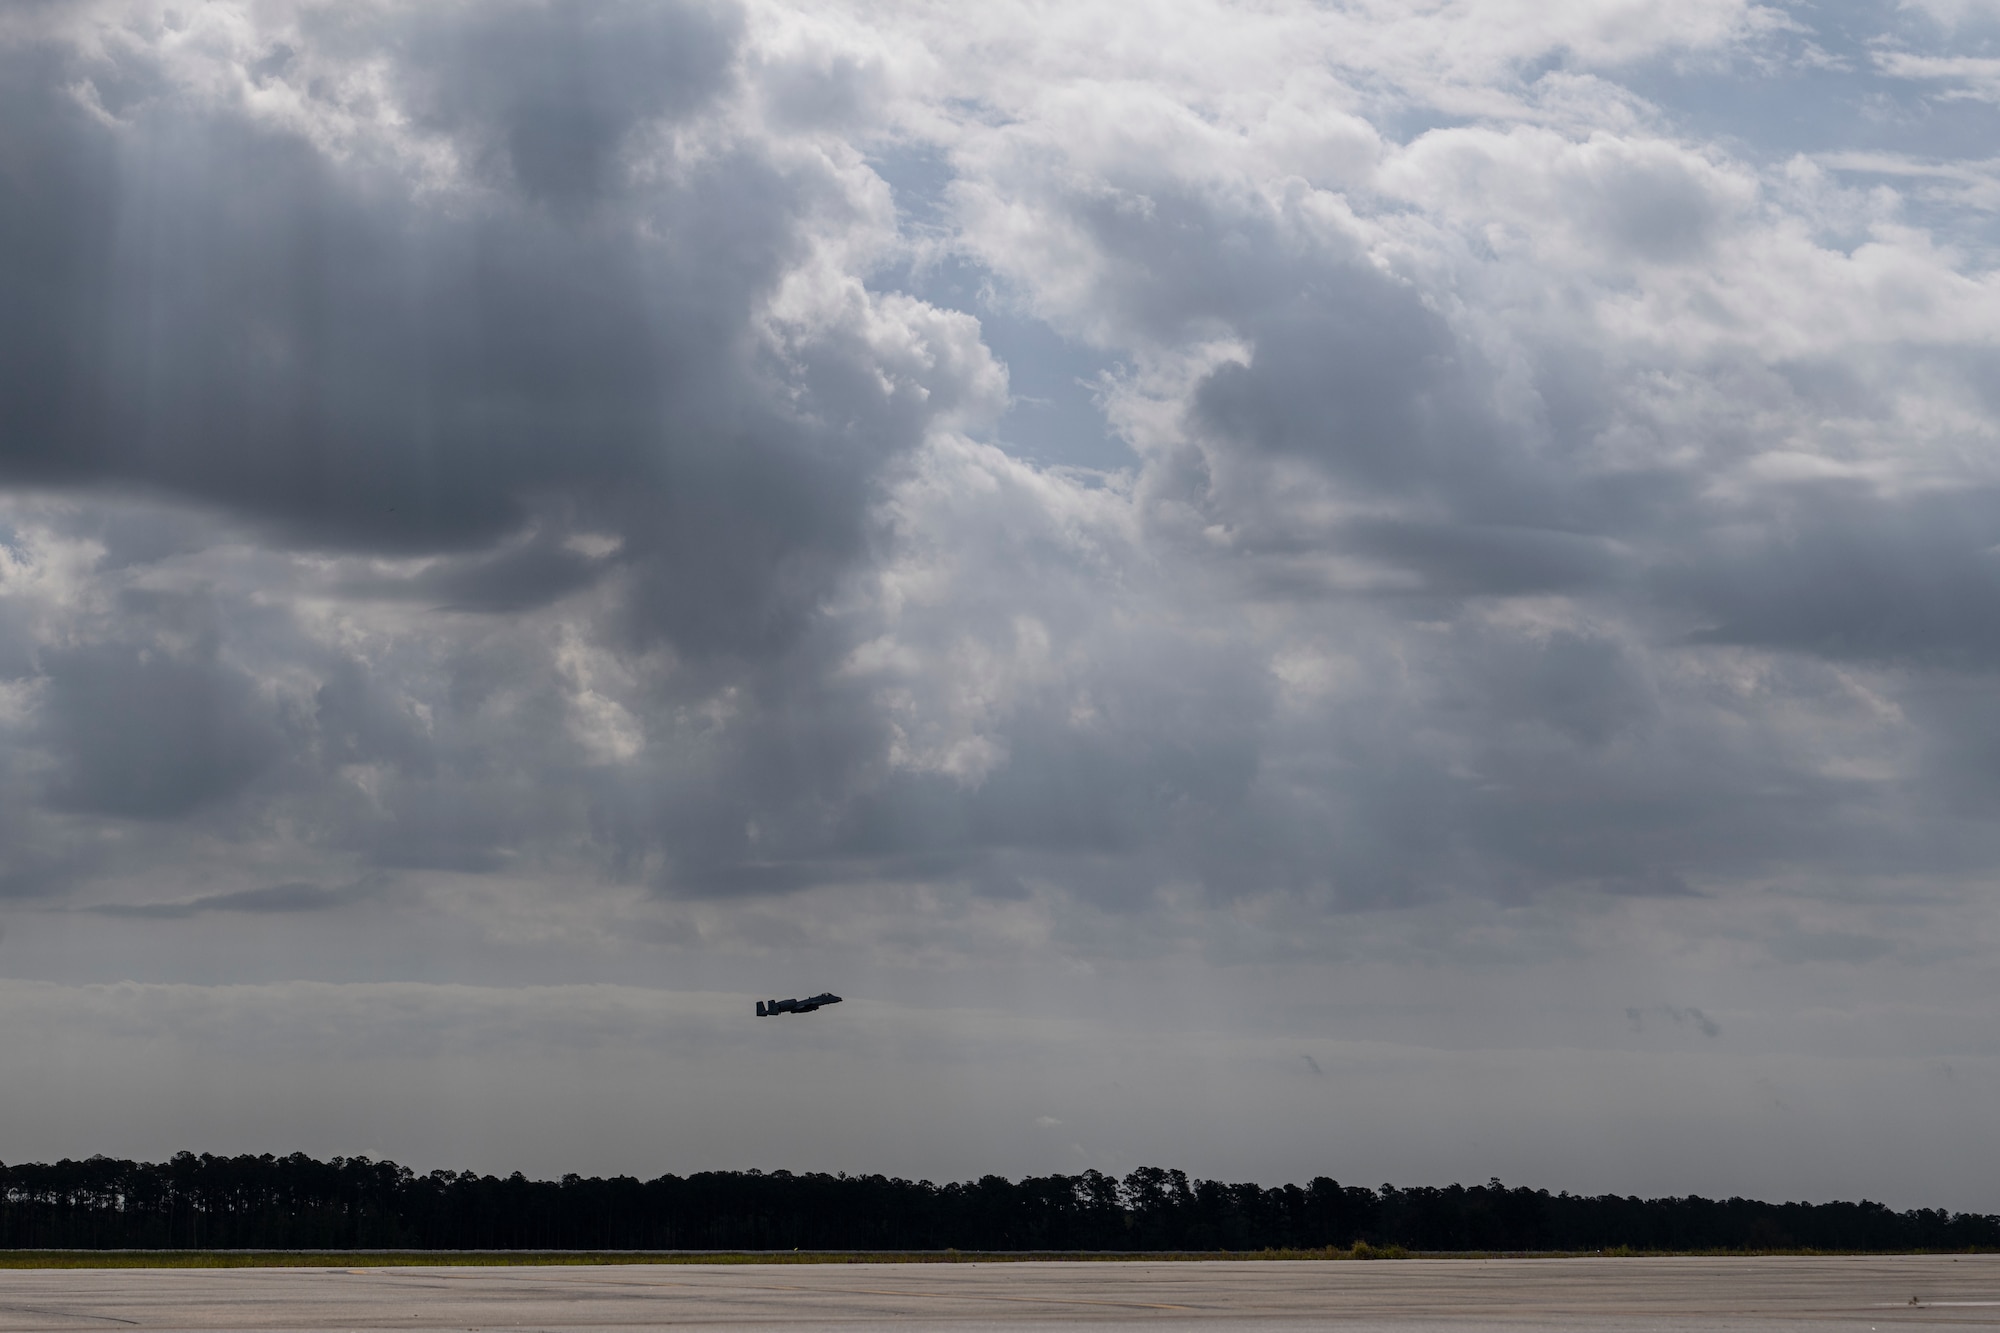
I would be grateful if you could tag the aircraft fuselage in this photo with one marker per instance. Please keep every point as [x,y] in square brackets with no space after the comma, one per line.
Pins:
[770,1008]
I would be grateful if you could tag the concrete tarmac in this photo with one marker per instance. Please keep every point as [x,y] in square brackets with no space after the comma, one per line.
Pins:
[1712,1295]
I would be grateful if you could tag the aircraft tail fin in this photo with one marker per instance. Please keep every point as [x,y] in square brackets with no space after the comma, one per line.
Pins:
[761,1011]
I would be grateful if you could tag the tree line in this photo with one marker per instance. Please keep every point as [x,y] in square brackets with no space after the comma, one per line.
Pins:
[297,1202]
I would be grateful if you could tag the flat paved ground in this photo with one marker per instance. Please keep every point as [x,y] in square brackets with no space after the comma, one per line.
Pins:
[1454,1294]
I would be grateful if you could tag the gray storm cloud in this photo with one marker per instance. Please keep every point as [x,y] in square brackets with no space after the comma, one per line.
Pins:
[218,307]
[551,369]
[520,492]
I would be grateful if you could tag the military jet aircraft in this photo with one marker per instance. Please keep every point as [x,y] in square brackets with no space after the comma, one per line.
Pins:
[767,1008]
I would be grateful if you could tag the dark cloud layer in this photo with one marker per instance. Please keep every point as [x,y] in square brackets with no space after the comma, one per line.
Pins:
[214,307]
[1839,572]
[151,735]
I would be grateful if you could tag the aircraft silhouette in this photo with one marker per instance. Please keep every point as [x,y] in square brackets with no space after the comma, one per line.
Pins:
[768,1008]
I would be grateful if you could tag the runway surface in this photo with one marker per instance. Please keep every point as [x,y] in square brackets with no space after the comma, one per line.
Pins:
[1455,1294]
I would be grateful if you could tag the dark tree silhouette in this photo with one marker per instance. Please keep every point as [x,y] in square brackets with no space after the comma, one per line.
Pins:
[296,1202]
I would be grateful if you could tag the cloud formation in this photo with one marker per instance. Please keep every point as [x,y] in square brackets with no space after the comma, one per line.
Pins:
[1505,507]
[298,897]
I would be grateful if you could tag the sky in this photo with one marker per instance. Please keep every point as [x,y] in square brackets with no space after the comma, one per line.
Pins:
[1395,589]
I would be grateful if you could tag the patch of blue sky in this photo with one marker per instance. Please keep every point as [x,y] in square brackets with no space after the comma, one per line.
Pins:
[1858,88]
[1053,416]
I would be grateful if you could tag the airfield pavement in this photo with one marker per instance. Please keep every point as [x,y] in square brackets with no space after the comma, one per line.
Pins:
[1454,1294]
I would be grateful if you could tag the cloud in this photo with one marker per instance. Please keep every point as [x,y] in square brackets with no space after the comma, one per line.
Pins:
[636,523]
[494,300]
[275,898]
[154,732]
[1975,76]
[1857,576]
[1707,1026]
[1954,12]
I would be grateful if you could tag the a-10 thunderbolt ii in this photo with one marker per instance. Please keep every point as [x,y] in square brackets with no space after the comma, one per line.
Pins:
[766,1008]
